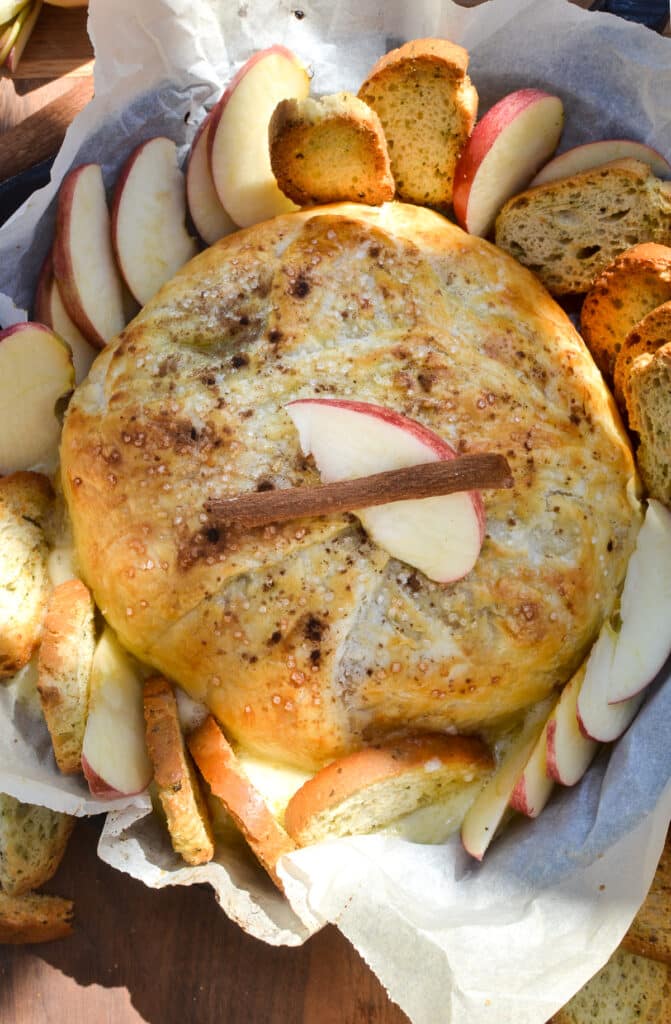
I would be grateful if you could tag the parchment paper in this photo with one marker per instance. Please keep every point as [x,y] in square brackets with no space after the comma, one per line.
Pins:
[510,940]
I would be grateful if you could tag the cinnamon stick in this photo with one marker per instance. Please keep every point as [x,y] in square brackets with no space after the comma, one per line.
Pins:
[429,479]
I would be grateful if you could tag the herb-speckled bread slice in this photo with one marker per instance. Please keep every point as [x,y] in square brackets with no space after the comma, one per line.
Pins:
[649,408]
[369,789]
[32,844]
[427,105]
[64,670]
[330,150]
[34,917]
[634,284]
[650,931]
[649,335]
[568,231]
[628,989]
[25,502]
[176,781]
[229,783]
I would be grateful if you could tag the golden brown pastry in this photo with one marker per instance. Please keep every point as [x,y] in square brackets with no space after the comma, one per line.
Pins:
[307,640]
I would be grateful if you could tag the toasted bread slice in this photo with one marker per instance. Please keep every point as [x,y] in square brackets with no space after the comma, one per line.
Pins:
[32,844]
[330,150]
[628,989]
[568,231]
[64,670]
[176,780]
[34,917]
[25,501]
[228,782]
[367,790]
[649,408]
[650,931]
[627,290]
[427,105]
[653,331]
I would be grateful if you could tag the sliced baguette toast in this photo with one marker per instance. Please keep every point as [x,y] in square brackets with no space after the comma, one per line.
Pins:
[25,501]
[649,335]
[64,670]
[568,231]
[369,789]
[330,150]
[34,917]
[32,843]
[228,782]
[649,408]
[427,105]
[178,787]
[629,288]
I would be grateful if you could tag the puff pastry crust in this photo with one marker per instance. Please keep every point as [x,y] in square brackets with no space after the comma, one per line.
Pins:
[305,639]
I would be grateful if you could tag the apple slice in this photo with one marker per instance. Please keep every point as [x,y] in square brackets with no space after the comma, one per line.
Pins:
[114,756]
[35,372]
[488,810]
[440,536]
[149,233]
[49,310]
[644,641]
[507,147]
[10,8]
[11,34]
[239,151]
[534,786]
[599,720]
[84,264]
[25,31]
[569,752]
[208,215]
[594,154]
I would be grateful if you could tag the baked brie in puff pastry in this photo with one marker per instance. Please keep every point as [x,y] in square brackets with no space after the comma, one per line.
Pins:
[305,639]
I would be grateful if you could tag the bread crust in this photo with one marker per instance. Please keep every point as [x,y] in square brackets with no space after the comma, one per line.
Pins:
[380,776]
[649,334]
[228,782]
[627,290]
[25,504]
[64,670]
[176,781]
[307,641]
[329,150]
[34,917]
[650,932]
[649,388]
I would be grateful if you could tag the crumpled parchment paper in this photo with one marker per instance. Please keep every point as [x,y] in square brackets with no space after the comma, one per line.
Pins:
[456,942]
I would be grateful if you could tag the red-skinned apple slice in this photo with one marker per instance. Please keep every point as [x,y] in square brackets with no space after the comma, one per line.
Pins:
[35,372]
[507,147]
[594,154]
[599,720]
[644,640]
[487,812]
[49,310]
[208,215]
[114,755]
[569,752]
[534,786]
[440,536]
[24,34]
[149,233]
[84,264]
[239,151]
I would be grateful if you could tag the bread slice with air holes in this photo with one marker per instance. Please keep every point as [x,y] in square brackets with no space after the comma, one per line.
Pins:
[25,503]
[650,931]
[64,670]
[629,288]
[330,150]
[568,231]
[369,789]
[649,408]
[34,917]
[176,781]
[629,988]
[228,782]
[427,105]
[649,335]
[32,843]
